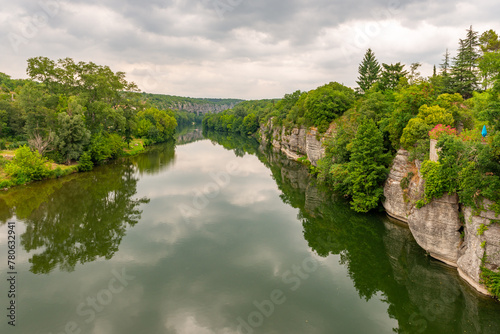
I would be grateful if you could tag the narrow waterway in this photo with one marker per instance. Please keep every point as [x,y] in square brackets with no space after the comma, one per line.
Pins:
[219,236]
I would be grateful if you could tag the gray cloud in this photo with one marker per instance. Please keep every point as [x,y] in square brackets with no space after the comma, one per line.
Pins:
[236,48]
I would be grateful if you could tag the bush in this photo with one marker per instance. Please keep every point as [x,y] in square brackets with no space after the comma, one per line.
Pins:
[27,165]
[104,146]
[85,163]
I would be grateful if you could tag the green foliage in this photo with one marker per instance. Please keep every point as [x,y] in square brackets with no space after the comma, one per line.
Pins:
[156,125]
[244,118]
[407,105]
[405,181]
[72,136]
[481,229]
[418,128]
[491,279]
[164,102]
[327,102]
[250,124]
[435,186]
[464,78]
[85,163]
[105,146]
[27,166]
[367,168]
[391,76]
[368,70]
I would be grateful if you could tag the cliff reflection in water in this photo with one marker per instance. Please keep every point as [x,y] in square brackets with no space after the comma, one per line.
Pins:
[160,156]
[76,219]
[382,258]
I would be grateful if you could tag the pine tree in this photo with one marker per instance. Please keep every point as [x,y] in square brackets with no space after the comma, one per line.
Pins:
[445,73]
[368,70]
[391,75]
[464,74]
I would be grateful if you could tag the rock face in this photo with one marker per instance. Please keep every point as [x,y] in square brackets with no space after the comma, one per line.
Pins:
[436,228]
[396,201]
[479,245]
[295,143]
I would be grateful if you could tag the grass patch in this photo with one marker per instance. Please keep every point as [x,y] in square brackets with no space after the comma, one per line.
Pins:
[136,146]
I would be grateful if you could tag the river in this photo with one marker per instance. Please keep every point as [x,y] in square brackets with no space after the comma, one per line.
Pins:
[218,236]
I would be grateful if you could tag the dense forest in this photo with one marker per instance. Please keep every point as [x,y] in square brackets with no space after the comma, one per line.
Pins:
[395,107]
[68,112]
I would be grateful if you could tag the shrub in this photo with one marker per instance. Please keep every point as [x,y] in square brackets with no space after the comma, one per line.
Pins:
[27,165]
[104,146]
[85,163]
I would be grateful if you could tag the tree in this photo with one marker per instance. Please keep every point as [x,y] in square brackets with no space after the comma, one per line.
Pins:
[489,41]
[464,72]
[408,102]
[391,75]
[367,169]
[327,102]
[72,136]
[414,75]
[368,70]
[155,125]
[445,73]
[419,127]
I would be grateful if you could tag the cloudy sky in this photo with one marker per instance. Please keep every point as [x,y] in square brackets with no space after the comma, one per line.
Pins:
[246,49]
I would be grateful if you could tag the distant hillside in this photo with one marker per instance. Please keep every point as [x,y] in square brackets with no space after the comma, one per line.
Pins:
[189,104]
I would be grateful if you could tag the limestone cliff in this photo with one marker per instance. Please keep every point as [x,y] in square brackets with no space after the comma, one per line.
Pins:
[437,227]
[202,108]
[295,143]
[481,243]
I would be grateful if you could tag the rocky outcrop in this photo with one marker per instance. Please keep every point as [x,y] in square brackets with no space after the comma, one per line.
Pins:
[295,143]
[396,201]
[436,228]
[481,244]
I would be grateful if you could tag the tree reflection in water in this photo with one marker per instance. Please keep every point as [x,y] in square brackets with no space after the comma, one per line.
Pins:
[76,219]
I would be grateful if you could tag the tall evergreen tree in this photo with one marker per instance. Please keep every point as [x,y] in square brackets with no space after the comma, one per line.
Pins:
[445,73]
[368,70]
[464,74]
[391,74]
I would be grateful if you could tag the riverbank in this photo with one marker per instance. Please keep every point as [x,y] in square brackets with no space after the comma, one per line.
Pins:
[53,170]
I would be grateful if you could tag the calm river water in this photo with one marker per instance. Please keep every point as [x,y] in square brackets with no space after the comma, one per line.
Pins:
[217,236]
